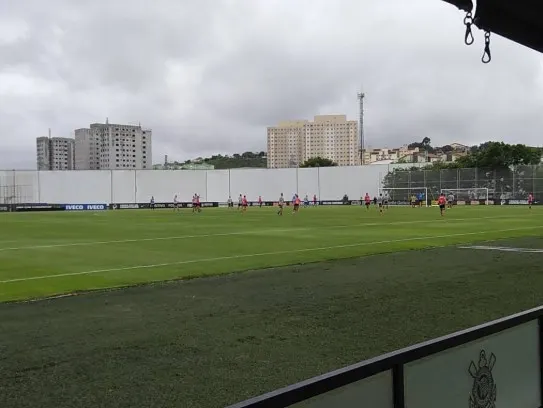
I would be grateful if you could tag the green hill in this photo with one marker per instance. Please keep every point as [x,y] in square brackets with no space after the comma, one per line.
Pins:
[236,161]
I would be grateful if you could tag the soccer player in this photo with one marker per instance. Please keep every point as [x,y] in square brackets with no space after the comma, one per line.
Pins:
[198,204]
[314,199]
[385,201]
[296,203]
[450,200]
[175,203]
[380,203]
[229,202]
[442,201]
[260,201]
[281,204]
[413,201]
[306,201]
[244,204]
[530,200]
[152,203]
[367,201]
[240,201]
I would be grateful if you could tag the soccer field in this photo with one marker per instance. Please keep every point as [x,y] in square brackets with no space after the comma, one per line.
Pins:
[44,254]
[207,343]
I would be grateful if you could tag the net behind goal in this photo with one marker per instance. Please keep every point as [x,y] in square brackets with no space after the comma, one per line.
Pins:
[466,195]
[405,196]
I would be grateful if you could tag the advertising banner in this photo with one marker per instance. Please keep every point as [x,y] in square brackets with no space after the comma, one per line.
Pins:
[136,206]
[37,207]
[86,207]
[513,202]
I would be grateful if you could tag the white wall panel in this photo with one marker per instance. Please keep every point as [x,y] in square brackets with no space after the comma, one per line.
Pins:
[337,181]
[371,178]
[218,185]
[124,186]
[308,182]
[268,183]
[27,186]
[18,186]
[7,183]
[86,187]
[75,187]
[165,184]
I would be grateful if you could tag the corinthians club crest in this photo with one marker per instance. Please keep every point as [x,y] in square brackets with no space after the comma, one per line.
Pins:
[483,393]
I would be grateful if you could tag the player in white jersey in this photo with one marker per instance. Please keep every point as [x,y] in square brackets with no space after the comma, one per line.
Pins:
[240,201]
[450,200]
[175,203]
[380,203]
[281,204]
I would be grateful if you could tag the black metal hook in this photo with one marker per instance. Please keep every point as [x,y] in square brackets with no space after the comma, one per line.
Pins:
[468,22]
[487,56]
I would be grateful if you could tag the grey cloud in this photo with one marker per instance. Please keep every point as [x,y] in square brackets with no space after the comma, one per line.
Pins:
[209,75]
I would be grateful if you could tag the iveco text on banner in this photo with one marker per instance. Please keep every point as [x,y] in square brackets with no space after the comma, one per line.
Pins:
[85,207]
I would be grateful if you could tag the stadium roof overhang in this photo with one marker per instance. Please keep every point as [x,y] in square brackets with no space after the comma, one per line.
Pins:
[520,21]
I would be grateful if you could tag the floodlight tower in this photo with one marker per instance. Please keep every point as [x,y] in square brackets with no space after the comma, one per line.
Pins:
[361,96]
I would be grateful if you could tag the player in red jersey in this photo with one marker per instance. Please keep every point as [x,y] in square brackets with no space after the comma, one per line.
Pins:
[367,201]
[244,204]
[530,200]
[442,202]
[314,199]
[260,201]
[296,203]
[197,204]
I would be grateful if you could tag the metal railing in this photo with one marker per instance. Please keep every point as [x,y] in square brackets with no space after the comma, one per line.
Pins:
[399,361]
[514,183]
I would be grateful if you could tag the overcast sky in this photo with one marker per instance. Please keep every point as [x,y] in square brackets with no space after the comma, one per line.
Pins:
[208,76]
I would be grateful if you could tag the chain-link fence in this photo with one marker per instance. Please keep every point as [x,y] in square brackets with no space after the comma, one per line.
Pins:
[514,183]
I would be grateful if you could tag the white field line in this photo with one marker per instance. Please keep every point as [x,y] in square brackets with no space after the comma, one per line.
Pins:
[254,255]
[503,249]
[227,234]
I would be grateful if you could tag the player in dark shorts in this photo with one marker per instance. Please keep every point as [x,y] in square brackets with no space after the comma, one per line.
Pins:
[442,202]
[380,203]
[152,203]
[244,204]
[296,203]
[367,201]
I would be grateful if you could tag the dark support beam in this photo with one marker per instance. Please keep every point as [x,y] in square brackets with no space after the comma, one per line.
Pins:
[520,21]
[466,5]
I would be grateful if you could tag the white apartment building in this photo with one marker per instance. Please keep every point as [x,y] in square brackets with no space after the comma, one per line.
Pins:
[329,136]
[55,153]
[105,146]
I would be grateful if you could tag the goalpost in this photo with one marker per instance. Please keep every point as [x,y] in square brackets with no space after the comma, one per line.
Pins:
[403,196]
[466,194]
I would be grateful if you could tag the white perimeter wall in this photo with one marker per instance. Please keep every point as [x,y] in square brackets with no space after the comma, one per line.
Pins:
[129,186]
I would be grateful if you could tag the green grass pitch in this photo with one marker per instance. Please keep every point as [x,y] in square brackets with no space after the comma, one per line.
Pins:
[327,287]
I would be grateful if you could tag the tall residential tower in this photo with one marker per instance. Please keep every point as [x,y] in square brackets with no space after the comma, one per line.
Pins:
[55,153]
[329,136]
[105,146]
